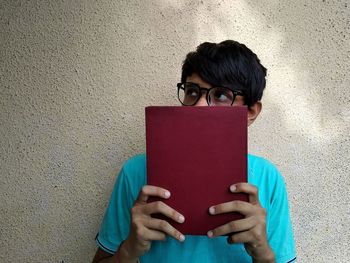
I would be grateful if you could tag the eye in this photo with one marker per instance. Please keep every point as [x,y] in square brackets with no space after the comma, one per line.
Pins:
[191,91]
[222,95]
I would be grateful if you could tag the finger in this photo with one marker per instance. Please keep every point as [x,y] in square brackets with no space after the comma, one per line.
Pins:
[165,227]
[150,190]
[143,233]
[150,234]
[164,209]
[233,226]
[242,207]
[242,237]
[247,188]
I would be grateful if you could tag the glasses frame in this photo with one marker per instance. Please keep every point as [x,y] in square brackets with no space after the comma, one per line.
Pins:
[201,90]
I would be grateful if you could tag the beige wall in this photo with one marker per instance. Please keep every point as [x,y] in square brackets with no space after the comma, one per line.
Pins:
[76,76]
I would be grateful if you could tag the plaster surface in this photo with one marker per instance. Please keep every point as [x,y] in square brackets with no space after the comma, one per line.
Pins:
[75,77]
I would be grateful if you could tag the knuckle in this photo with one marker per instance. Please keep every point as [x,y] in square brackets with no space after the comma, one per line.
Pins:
[134,224]
[134,211]
[263,222]
[239,205]
[176,233]
[174,215]
[263,212]
[257,235]
[255,220]
[139,232]
[232,225]
[144,190]
[163,225]
[135,220]
[158,205]
[259,220]
[147,247]
[145,244]
[162,236]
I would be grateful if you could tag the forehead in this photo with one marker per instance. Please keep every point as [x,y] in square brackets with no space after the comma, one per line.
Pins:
[194,78]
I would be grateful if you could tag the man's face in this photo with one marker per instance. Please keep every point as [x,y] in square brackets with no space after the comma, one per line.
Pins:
[253,111]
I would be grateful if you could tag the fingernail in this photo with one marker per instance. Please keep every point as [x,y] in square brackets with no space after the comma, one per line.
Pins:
[232,188]
[167,194]
[212,210]
[182,238]
[210,233]
[181,219]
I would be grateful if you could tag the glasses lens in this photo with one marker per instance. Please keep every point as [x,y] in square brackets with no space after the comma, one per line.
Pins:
[188,93]
[221,97]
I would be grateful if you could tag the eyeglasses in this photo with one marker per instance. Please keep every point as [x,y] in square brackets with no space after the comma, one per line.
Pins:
[189,94]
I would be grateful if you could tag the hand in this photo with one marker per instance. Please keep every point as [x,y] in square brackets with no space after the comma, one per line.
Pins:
[251,230]
[144,228]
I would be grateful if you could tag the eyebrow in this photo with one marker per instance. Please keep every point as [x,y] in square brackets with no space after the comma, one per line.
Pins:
[212,86]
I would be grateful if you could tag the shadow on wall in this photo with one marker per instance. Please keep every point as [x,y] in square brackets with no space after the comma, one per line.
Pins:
[307,98]
[307,43]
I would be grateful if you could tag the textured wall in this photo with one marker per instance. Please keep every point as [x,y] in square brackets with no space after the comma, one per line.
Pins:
[76,76]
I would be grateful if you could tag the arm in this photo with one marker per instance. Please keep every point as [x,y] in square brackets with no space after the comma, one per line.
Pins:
[104,257]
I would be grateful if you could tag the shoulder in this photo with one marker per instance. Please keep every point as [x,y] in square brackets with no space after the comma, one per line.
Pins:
[132,175]
[257,162]
[136,163]
[266,177]
[260,168]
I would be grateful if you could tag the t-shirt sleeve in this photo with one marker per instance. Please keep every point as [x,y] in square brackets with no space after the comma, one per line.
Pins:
[116,221]
[279,228]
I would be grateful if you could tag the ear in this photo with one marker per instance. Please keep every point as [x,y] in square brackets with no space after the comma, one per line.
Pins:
[253,112]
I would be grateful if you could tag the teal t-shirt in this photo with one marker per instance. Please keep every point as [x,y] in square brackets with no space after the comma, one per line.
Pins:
[272,194]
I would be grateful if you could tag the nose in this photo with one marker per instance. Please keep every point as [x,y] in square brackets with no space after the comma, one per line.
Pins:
[202,101]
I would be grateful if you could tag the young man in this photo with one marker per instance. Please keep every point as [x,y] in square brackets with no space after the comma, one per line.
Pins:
[225,74]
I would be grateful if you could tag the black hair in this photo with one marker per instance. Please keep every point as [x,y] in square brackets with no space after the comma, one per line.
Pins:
[230,64]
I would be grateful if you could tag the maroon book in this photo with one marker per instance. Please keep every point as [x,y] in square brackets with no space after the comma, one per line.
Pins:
[197,153]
